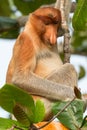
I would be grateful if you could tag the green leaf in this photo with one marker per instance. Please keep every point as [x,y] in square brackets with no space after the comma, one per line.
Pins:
[7,23]
[72,116]
[80,16]
[77,93]
[8,123]
[11,94]
[10,34]
[84,123]
[30,5]
[4,8]
[21,104]
[82,72]
[79,42]
[39,111]
[20,115]
[9,28]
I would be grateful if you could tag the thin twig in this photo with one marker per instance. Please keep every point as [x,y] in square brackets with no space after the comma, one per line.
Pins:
[33,127]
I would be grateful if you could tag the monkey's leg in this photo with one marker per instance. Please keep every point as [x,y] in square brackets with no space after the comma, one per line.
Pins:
[66,75]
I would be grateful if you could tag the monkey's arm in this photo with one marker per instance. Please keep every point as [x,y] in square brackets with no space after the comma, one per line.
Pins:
[66,75]
[42,87]
[24,77]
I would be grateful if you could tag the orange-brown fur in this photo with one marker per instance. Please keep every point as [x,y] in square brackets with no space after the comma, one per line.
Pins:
[36,66]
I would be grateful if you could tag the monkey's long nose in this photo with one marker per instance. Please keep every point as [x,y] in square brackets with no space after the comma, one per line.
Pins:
[53,39]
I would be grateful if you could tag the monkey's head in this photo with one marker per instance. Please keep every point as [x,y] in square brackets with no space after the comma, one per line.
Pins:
[47,23]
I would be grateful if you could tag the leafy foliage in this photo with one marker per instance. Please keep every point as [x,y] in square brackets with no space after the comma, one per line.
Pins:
[21,104]
[9,28]
[27,112]
[8,123]
[80,18]
[21,115]
[39,111]
[24,6]
[30,5]
[77,93]
[84,123]
[79,22]
[10,95]
[82,72]
[72,117]
[4,8]
[79,42]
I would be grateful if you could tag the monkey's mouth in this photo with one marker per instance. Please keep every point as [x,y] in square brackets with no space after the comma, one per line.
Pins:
[49,44]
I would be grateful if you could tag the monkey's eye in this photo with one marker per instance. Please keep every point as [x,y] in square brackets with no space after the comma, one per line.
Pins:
[56,22]
[47,23]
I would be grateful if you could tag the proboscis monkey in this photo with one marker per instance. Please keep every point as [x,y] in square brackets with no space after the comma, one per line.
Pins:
[36,66]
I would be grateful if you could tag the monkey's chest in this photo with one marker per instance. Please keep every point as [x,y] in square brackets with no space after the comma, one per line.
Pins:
[46,66]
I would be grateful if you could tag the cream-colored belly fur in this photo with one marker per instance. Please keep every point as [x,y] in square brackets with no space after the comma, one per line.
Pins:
[46,66]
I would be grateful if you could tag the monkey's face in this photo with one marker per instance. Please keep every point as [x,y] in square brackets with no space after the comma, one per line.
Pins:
[51,33]
[47,24]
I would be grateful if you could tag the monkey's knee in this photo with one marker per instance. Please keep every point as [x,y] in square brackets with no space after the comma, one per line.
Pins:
[70,69]
[66,75]
[70,74]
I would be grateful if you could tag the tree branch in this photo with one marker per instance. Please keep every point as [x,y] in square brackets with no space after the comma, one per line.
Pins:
[64,6]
